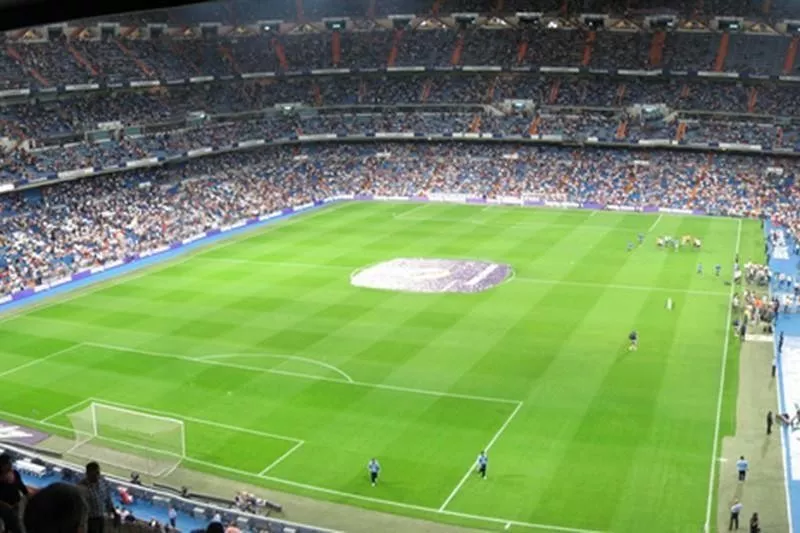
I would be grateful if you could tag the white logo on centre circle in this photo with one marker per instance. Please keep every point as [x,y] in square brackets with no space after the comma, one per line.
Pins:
[420,273]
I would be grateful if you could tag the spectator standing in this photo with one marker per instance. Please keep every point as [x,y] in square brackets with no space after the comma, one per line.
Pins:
[173,517]
[57,508]
[736,509]
[98,496]
[741,467]
[754,525]
[12,492]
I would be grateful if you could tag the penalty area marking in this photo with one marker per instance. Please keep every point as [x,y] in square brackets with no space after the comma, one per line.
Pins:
[280,459]
[382,386]
[330,367]
[486,449]
[37,361]
[65,410]
[305,486]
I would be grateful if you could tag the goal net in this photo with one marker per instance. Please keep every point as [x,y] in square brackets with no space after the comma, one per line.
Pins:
[135,440]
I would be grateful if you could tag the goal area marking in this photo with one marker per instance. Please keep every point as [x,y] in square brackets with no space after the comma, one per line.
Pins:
[305,486]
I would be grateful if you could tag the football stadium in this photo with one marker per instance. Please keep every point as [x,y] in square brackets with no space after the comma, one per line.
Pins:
[402,265]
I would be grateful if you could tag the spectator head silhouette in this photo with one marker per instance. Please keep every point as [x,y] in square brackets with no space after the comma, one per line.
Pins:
[58,508]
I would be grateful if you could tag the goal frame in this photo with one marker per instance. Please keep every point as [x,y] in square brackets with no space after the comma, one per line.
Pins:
[96,434]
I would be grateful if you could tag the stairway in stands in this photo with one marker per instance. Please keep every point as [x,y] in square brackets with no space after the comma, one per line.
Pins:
[657,48]
[280,53]
[14,54]
[426,90]
[147,71]
[228,55]
[588,48]
[455,58]
[82,60]
[398,34]
[533,129]
[336,48]
[791,55]
[722,52]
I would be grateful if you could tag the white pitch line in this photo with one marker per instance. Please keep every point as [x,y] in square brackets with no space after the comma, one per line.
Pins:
[381,386]
[280,459]
[486,449]
[37,361]
[521,278]
[449,286]
[64,410]
[273,263]
[200,421]
[404,214]
[654,224]
[330,367]
[315,488]
[483,275]
[720,394]
[619,287]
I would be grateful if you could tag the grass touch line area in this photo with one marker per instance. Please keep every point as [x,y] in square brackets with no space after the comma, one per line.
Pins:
[712,476]
[285,374]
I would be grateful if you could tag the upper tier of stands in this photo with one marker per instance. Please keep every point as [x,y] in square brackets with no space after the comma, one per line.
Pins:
[65,61]
[242,11]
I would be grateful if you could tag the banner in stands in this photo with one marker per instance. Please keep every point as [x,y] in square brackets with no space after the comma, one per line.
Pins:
[10,432]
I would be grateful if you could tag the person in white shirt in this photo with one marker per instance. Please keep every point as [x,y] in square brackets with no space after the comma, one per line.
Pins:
[736,510]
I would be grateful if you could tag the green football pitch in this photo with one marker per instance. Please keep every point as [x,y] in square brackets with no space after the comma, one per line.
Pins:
[284,374]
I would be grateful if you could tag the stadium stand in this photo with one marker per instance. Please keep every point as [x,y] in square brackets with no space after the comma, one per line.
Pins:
[140,508]
[189,126]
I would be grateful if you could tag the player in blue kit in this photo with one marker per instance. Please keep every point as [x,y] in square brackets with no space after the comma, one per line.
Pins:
[717,269]
[481,464]
[700,268]
[630,246]
[641,239]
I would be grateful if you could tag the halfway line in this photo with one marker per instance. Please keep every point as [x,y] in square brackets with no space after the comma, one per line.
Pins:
[619,287]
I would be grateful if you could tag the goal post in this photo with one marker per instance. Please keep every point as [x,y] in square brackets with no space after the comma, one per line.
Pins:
[124,437]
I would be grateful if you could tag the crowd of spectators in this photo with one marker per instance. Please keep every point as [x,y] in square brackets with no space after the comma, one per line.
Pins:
[54,231]
[114,59]
[80,113]
[76,114]
[572,124]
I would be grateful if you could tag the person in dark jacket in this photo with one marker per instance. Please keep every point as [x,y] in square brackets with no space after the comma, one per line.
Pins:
[12,493]
[754,525]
